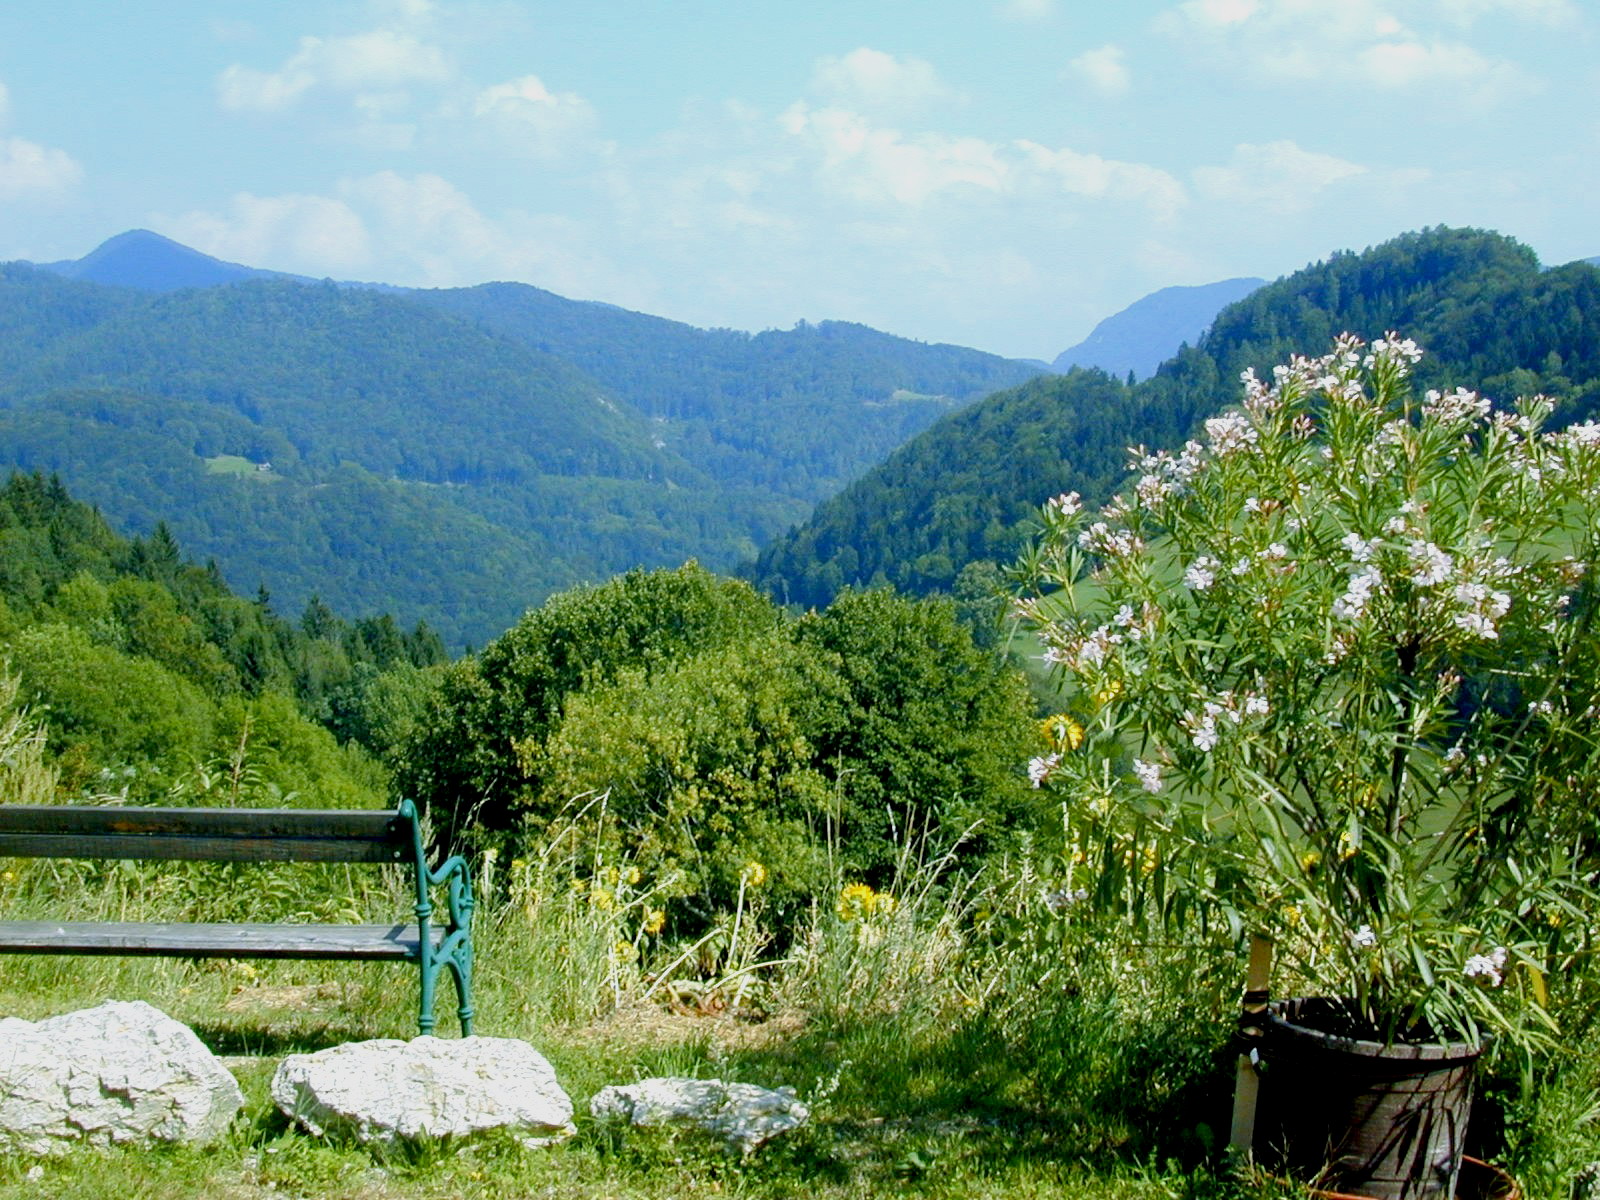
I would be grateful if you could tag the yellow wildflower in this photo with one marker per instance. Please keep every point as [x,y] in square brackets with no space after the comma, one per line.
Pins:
[602,899]
[654,921]
[1108,693]
[1062,732]
[855,902]
[1309,860]
[754,874]
[631,876]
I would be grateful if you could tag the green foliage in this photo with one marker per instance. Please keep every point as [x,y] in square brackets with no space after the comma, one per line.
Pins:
[158,682]
[683,718]
[1338,675]
[452,456]
[932,729]
[967,489]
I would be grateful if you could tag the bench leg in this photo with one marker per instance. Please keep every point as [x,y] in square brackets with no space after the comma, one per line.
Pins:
[455,954]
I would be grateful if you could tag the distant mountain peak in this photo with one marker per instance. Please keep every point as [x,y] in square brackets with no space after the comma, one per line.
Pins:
[150,262]
[1149,331]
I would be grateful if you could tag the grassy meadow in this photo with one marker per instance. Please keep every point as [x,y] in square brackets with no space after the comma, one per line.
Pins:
[953,1036]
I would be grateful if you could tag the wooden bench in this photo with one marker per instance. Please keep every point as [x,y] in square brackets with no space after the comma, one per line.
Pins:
[252,835]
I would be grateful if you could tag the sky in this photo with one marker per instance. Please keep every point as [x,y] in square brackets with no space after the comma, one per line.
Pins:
[999,174]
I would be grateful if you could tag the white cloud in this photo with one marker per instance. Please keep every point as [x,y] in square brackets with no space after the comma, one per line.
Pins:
[1105,70]
[878,82]
[307,234]
[1454,65]
[373,63]
[533,117]
[1094,177]
[1028,10]
[29,169]
[879,165]
[5,101]
[1543,12]
[1391,44]
[1276,176]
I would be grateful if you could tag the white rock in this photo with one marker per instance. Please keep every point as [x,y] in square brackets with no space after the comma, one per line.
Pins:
[122,1073]
[387,1091]
[741,1113]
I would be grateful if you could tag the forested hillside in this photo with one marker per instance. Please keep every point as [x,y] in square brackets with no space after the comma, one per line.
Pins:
[382,451]
[153,680]
[965,490]
[800,411]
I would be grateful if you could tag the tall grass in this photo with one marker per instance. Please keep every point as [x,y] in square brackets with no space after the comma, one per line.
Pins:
[956,1033]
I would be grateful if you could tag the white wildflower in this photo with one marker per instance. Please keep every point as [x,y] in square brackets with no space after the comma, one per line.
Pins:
[1064,898]
[1364,938]
[1358,592]
[1149,775]
[1487,967]
[1040,769]
[1201,573]
[1359,548]
[1453,408]
[1430,564]
[1230,432]
[1068,504]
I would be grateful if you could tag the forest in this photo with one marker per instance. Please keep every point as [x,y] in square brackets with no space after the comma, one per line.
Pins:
[961,492]
[450,456]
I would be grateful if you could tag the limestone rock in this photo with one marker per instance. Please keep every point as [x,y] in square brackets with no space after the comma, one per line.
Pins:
[122,1073]
[741,1114]
[387,1091]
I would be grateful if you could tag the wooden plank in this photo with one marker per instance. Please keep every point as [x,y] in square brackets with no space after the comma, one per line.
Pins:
[345,942]
[198,849]
[204,834]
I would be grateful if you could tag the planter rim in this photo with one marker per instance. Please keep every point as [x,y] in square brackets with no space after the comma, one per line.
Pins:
[1289,1023]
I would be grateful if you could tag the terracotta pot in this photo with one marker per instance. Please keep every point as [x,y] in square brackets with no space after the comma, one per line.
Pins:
[1358,1117]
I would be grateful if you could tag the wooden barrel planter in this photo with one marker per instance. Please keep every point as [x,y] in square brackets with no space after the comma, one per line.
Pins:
[1355,1116]
[1478,1181]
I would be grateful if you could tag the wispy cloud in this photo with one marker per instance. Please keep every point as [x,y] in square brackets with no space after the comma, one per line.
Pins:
[367,66]
[1104,70]
[1399,45]
[870,80]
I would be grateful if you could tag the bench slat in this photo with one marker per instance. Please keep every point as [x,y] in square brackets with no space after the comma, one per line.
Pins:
[350,942]
[204,834]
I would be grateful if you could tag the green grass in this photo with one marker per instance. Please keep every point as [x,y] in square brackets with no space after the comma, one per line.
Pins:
[958,1046]
[233,464]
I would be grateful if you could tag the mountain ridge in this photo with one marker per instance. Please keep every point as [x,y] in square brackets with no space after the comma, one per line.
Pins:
[967,490]
[439,454]
[1139,338]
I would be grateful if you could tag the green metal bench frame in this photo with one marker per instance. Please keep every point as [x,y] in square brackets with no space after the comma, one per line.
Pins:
[253,835]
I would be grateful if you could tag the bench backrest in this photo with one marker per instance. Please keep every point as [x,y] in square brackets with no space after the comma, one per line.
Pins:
[206,834]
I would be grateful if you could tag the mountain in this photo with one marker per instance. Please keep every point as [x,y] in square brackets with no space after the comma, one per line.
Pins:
[800,411]
[967,489]
[147,261]
[451,456]
[1149,331]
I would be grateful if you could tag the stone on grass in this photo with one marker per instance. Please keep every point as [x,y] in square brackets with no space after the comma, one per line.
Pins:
[742,1114]
[122,1073]
[388,1091]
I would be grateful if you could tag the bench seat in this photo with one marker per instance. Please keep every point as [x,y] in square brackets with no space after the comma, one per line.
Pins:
[362,943]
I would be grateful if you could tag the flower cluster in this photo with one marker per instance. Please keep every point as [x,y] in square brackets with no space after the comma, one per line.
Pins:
[1328,627]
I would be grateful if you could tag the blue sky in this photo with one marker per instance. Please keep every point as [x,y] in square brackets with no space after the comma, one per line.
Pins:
[996,173]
